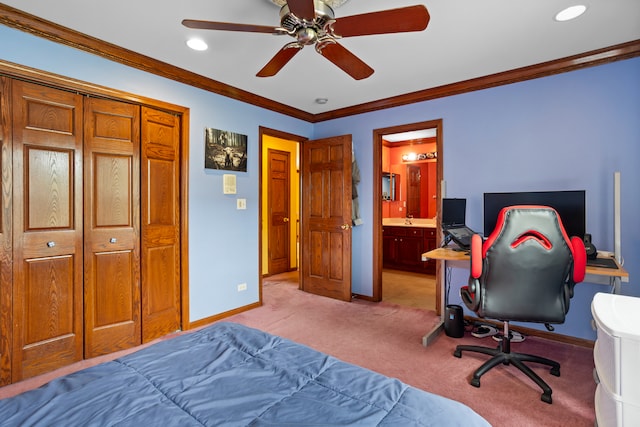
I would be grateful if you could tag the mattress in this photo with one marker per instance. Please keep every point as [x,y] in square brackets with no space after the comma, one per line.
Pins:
[230,375]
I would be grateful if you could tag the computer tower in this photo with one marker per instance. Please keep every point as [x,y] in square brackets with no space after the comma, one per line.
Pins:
[454,321]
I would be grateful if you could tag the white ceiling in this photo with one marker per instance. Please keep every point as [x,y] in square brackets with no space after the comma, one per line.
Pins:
[465,39]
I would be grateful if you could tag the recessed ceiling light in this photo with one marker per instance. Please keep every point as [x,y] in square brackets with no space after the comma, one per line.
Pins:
[197,44]
[570,13]
[322,100]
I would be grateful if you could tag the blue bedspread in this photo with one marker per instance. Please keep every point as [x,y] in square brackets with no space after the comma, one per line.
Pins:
[230,375]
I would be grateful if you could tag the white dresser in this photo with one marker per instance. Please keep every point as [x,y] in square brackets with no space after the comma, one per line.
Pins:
[617,359]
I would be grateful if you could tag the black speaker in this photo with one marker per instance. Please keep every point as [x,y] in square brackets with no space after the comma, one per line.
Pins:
[454,321]
[591,250]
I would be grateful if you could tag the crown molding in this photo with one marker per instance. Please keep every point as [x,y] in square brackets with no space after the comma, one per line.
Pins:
[563,65]
[22,21]
[32,24]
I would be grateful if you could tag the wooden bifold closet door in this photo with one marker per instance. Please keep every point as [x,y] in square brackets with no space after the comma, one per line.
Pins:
[111,226]
[161,224]
[96,227]
[47,229]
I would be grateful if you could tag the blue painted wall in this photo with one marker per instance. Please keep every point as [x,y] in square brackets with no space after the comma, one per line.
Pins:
[223,241]
[566,132]
[570,131]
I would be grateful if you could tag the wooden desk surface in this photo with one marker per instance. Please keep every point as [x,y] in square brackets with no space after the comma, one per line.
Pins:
[448,254]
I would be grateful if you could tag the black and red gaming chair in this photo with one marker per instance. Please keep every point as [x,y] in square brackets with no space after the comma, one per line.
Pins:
[525,271]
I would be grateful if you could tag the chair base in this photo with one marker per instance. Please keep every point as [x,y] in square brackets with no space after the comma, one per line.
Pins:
[505,357]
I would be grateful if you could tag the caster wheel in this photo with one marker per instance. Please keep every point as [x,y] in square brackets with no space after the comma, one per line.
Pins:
[475,382]
[546,398]
[457,353]
[555,372]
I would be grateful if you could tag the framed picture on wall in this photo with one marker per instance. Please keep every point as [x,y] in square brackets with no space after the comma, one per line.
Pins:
[225,150]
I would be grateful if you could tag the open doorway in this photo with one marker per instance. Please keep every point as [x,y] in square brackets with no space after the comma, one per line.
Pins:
[407,169]
[279,202]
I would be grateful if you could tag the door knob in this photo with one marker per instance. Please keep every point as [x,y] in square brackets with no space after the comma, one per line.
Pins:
[345,226]
[285,219]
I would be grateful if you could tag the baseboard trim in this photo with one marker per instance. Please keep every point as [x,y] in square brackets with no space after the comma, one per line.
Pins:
[217,317]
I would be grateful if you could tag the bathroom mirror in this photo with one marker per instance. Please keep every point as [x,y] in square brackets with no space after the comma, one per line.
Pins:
[390,184]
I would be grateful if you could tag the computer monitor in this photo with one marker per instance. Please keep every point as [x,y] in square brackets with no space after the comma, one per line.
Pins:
[453,212]
[570,205]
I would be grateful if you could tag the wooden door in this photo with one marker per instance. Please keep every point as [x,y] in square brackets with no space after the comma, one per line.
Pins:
[278,211]
[111,226]
[326,217]
[413,191]
[160,164]
[47,229]
[6,250]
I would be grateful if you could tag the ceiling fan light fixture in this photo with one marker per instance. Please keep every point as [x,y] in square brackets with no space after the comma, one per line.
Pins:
[570,13]
[307,35]
[331,3]
[197,44]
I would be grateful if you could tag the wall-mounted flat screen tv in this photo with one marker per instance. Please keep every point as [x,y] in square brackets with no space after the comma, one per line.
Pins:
[570,205]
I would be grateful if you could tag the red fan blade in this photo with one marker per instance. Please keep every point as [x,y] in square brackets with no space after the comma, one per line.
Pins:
[227,26]
[303,9]
[281,58]
[347,61]
[404,19]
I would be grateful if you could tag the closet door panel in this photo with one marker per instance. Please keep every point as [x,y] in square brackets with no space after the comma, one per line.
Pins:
[160,223]
[47,229]
[112,231]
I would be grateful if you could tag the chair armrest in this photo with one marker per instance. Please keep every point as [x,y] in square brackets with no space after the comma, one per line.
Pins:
[579,259]
[476,256]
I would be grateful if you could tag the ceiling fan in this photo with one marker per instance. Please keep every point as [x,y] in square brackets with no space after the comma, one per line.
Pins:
[312,22]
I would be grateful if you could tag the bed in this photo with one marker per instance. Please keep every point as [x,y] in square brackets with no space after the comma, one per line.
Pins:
[228,374]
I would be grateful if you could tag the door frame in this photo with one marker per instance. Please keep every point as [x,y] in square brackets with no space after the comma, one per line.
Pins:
[378,134]
[262,131]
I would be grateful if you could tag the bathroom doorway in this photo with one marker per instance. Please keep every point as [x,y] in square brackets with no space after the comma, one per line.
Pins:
[412,154]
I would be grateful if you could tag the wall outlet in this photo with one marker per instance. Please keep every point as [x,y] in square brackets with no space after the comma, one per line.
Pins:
[241,204]
[242,287]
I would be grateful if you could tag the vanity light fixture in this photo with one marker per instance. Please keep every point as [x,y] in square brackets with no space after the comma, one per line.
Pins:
[409,157]
[412,157]
[570,13]
[197,44]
